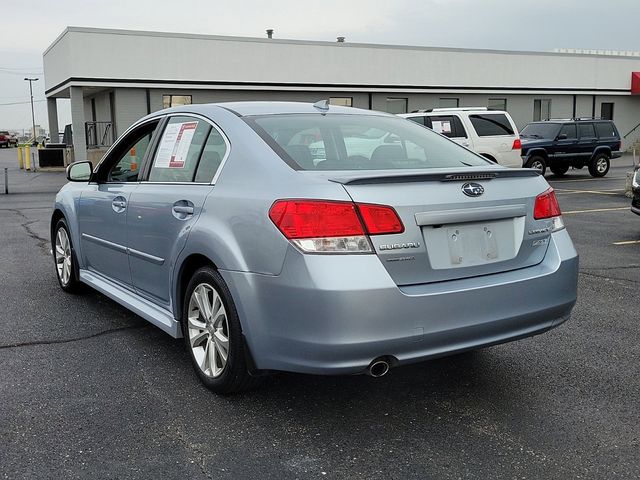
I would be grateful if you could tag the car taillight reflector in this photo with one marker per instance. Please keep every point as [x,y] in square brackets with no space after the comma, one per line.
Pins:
[546,205]
[517,144]
[380,219]
[298,219]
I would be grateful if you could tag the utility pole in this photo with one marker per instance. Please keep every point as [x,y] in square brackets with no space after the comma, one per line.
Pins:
[33,116]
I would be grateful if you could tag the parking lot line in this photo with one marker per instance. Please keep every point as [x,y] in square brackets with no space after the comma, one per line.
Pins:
[565,191]
[593,210]
[587,180]
[627,242]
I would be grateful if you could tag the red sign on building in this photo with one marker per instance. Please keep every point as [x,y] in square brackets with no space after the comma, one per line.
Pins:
[635,83]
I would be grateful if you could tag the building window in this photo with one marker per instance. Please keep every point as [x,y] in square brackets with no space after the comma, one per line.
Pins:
[541,109]
[449,103]
[341,101]
[606,111]
[175,100]
[397,105]
[497,104]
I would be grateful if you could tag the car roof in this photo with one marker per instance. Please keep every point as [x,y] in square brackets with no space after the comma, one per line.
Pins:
[243,109]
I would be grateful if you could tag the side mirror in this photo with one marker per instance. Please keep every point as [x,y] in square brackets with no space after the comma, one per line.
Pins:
[79,171]
[562,136]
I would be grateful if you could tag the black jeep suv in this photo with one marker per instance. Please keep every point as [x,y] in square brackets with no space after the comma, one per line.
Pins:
[578,142]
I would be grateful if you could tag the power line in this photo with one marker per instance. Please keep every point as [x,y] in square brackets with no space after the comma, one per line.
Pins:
[21,103]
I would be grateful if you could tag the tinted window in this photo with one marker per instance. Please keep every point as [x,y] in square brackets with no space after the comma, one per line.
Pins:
[606,111]
[419,120]
[540,130]
[491,125]
[606,130]
[569,130]
[353,142]
[444,125]
[586,130]
[127,157]
[214,151]
[396,105]
[179,149]
[497,104]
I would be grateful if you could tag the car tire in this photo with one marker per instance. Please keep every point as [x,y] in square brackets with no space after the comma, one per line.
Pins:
[64,258]
[599,165]
[537,162]
[560,171]
[210,323]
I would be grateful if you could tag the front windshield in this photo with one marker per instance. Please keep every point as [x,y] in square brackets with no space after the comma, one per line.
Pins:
[359,142]
[540,130]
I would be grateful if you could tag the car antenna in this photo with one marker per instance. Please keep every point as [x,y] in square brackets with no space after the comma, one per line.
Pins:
[322,105]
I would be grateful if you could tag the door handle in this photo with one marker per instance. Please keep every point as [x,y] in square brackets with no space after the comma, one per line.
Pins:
[119,204]
[182,209]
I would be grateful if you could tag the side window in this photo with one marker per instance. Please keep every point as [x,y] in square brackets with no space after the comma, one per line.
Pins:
[179,149]
[129,155]
[444,125]
[214,151]
[569,130]
[606,130]
[586,130]
[491,125]
[459,127]
[419,119]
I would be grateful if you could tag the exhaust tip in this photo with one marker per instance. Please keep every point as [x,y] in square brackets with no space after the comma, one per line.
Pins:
[378,368]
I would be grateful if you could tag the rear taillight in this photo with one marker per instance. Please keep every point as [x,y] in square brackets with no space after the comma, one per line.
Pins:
[517,144]
[546,207]
[321,226]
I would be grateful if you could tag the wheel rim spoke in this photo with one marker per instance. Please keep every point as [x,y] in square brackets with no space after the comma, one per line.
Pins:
[222,345]
[63,256]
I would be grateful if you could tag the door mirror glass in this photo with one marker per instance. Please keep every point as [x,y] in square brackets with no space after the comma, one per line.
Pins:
[79,171]
[562,136]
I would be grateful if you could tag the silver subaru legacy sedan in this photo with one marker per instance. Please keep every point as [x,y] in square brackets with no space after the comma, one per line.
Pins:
[314,239]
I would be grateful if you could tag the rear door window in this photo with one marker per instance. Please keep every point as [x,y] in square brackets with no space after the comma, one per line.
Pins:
[586,130]
[215,149]
[179,149]
[444,125]
[491,125]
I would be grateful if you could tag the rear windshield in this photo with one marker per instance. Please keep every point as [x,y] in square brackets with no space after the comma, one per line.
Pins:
[490,125]
[358,142]
[540,130]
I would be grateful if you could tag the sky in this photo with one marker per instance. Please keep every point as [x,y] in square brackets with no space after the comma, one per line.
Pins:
[540,25]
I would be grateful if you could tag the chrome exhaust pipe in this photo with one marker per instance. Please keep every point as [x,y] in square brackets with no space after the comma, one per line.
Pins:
[378,368]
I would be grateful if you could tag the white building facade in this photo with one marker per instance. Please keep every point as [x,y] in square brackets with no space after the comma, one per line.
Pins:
[114,77]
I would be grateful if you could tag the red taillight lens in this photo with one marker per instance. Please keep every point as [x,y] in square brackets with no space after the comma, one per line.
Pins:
[546,205]
[517,144]
[298,219]
[380,219]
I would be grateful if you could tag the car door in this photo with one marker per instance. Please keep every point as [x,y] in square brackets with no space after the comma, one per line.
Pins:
[168,202]
[587,139]
[102,207]
[564,146]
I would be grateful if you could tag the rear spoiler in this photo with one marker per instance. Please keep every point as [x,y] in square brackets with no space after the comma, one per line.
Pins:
[466,175]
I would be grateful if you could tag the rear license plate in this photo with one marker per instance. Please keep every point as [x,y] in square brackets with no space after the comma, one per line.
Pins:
[471,244]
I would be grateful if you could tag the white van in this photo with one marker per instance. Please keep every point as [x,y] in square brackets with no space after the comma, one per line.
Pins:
[491,133]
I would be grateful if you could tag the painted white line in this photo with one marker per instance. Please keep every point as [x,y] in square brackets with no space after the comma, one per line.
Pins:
[587,179]
[628,242]
[564,191]
[595,210]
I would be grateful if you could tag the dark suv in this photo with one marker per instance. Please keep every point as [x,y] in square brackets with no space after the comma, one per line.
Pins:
[578,142]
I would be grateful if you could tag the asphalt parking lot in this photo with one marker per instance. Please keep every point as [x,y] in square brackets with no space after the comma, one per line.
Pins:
[90,390]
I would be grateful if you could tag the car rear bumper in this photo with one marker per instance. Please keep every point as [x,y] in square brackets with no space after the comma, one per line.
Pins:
[335,314]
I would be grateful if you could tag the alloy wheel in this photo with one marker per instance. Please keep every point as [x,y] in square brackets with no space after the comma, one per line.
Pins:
[601,165]
[63,256]
[208,330]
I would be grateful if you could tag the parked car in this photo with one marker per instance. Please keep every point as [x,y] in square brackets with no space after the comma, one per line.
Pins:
[7,139]
[215,223]
[635,188]
[491,133]
[577,143]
